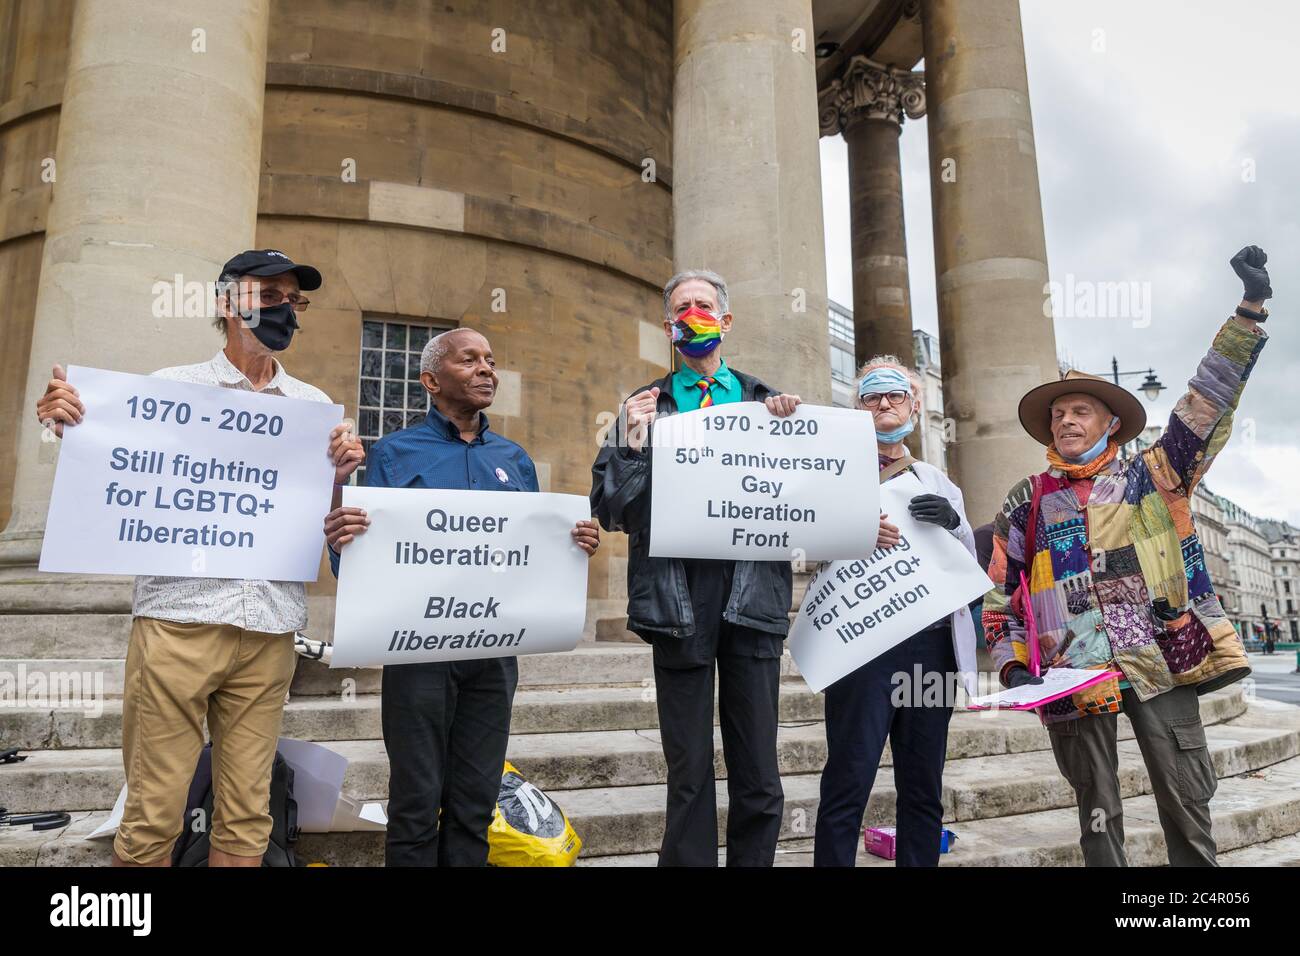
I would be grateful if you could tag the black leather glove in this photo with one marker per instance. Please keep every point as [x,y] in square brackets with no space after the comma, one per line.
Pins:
[935,509]
[1249,266]
[1020,675]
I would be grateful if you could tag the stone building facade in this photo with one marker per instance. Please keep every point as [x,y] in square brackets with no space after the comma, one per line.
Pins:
[535,171]
[1251,569]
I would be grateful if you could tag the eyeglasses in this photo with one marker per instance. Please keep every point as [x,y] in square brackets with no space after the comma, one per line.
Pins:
[270,298]
[895,398]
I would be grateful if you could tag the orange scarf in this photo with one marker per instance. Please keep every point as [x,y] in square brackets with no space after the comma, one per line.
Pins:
[1088,470]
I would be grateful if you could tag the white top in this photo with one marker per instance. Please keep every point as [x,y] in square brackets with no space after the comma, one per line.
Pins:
[273,607]
[963,627]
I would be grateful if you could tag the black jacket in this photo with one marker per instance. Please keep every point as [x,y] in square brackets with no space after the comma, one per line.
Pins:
[658,602]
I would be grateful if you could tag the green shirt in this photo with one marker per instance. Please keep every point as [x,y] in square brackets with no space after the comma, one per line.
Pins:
[687,394]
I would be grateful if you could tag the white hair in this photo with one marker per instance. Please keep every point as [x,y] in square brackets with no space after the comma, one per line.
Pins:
[715,280]
[436,349]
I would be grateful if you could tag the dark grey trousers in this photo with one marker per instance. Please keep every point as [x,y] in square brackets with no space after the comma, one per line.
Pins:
[446,727]
[1172,740]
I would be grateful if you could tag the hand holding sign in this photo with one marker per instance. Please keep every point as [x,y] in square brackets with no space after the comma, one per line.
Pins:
[640,411]
[60,404]
[346,452]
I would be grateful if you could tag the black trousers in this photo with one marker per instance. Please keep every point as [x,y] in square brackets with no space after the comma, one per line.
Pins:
[446,727]
[861,713]
[747,665]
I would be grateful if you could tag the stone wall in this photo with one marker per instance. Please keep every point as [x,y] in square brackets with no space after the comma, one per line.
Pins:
[501,191]
[33,65]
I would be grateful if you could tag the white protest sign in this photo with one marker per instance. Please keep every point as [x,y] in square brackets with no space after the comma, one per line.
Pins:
[736,482]
[854,611]
[456,575]
[173,478]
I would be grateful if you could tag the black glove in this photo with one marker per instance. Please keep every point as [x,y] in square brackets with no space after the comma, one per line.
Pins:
[1020,675]
[1249,266]
[935,509]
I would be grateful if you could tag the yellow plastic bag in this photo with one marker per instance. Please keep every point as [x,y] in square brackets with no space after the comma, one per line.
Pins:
[528,829]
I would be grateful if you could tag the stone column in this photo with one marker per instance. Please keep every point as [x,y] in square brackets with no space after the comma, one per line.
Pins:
[747,181]
[867,104]
[157,175]
[995,334]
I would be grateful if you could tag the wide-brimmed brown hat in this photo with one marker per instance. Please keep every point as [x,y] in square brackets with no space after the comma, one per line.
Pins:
[1036,406]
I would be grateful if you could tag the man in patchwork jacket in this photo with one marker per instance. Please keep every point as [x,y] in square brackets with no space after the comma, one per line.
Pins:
[1116,580]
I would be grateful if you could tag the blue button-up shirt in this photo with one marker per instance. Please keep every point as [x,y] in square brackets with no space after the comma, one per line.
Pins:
[433,455]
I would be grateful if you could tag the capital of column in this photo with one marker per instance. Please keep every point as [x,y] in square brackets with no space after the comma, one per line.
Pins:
[870,90]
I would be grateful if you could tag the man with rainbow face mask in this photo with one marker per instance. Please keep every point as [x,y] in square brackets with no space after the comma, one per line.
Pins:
[703,618]
[1103,552]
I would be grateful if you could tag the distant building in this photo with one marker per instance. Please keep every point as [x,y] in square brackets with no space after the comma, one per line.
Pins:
[1213,534]
[1284,550]
[924,358]
[844,369]
[1251,569]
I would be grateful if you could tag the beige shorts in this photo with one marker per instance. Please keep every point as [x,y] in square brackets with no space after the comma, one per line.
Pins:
[177,675]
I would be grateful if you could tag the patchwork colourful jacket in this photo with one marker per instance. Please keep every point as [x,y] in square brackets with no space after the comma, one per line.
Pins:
[1095,571]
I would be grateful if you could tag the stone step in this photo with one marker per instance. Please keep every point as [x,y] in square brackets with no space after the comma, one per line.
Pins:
[630,819]
[536,710]
[1284,851]
[1256,823]
[64,635]
[24,591]
[543,710]
[611,783]
[595,663]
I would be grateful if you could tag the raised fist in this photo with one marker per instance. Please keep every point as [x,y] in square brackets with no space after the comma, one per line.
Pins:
[1249,266]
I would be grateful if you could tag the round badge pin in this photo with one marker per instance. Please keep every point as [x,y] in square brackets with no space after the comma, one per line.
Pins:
[502,476]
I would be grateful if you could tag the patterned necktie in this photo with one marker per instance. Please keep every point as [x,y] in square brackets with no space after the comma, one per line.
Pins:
[706,397]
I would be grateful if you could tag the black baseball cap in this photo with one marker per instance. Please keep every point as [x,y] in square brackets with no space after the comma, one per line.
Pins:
[271,262]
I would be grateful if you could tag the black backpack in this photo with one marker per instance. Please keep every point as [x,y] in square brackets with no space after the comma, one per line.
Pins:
[192,846]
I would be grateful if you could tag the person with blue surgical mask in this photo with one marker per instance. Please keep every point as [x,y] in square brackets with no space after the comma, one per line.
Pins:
[864,708]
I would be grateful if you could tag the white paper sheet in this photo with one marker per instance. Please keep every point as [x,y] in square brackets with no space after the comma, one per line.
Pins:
[1057,682]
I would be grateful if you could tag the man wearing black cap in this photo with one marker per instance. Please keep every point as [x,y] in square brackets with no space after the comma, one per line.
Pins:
[214,648]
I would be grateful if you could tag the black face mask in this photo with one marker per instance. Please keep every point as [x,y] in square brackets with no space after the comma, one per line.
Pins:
[275,326]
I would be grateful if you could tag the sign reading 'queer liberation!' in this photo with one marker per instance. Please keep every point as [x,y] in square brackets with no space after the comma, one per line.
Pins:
[456,575]
[185,480]
[736,482]
[854,611]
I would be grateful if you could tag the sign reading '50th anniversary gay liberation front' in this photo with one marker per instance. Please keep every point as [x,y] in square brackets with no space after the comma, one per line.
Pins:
[456,575]
[736,482]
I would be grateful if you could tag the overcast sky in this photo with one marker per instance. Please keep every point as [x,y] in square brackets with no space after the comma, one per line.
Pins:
[1167,138]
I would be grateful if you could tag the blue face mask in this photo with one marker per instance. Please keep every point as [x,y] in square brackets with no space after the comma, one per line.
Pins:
[882,381]
[897,435]
[1096,449]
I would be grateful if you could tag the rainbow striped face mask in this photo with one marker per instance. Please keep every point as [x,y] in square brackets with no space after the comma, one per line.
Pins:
[696,333]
